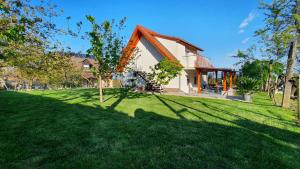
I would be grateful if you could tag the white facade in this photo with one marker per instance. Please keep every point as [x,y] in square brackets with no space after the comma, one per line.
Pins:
[148,56]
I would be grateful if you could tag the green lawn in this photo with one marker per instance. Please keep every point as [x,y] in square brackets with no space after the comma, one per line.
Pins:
[69,129]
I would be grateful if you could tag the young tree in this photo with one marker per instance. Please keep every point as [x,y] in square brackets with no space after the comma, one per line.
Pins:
[106,47]
[164,71]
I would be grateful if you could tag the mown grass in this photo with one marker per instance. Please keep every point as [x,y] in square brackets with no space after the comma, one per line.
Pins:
[293,102]
[70,129]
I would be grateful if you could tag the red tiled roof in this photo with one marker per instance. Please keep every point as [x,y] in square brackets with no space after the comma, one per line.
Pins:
[201,62]
[179,40]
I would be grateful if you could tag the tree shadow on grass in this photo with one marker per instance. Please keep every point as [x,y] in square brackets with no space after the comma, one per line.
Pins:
[277,117]
[55,134]
[290,138]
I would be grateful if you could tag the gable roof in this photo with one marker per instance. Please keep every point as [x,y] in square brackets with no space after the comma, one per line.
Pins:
[150,36]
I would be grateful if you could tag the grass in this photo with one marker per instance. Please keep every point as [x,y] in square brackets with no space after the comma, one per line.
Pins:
[293,102]
[70,129]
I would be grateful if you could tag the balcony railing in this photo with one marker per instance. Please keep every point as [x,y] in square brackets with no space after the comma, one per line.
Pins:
[190,61]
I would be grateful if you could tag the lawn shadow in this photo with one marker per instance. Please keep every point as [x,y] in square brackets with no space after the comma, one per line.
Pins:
[240,119]
[277,117]
[43,132]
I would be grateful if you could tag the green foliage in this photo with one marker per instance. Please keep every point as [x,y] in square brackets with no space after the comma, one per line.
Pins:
[247,84]
[281,24]
[260,70]
[106,45]
[165,71]
[245,56]
[28,41]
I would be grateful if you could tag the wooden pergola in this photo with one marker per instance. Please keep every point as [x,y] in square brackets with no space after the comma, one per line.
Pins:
[232,77]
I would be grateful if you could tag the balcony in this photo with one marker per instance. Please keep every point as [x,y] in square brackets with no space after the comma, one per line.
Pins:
[189,61]
[194,60]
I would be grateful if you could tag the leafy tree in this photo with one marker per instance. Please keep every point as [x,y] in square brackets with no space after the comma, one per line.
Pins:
[259,69]
[27,39]
[284,16]
[60,70]
[165,71]
[272,47]
[245,56]
[26,24]
[106,47]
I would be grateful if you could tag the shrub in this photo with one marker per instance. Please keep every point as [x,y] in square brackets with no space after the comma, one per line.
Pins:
[247,85]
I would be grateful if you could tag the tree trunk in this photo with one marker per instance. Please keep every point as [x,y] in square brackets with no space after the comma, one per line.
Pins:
[270,77]
[100,90]
[30,84]
[289,74]
[290,64]
[298,98]
[273,93]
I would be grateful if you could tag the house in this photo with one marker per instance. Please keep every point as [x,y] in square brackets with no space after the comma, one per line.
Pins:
[146,48]
[85,65]
[89,80]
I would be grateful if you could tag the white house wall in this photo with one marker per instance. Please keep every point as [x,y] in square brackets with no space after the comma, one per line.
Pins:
[177,49]
[147,56]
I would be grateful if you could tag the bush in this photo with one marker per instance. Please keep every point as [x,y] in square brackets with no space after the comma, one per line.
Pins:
[165,71]
[247,85]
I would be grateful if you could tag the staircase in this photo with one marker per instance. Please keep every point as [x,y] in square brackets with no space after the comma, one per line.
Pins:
[151,85]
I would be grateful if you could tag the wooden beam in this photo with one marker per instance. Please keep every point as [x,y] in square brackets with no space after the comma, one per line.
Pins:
[216,74]
[230,80]
[199,80]
[234,79]
[224,81]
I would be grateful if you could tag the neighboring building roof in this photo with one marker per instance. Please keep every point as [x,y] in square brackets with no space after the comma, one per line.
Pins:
[150,37]
[78,62]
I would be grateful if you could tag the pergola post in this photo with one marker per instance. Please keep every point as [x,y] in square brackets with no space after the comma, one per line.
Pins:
[216,72]
[224,81]
[234,79]
[230,80]
[199,80]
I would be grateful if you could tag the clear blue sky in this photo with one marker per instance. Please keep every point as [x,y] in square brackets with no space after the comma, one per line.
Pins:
[220,27]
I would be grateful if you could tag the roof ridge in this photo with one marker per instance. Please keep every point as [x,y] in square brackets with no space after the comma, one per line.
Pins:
[174,38]
[133,41]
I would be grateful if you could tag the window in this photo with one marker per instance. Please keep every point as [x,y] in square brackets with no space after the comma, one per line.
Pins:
[190,51]
[195,80]
[86,66]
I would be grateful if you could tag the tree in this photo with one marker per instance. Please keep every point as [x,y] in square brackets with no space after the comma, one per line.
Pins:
[106,47]
[164,71]
[59,70]
[28,39]
[292,34]
[281,24]
[26,24]
[259,69]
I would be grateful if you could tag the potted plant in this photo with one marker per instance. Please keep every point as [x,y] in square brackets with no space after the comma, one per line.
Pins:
[247,86]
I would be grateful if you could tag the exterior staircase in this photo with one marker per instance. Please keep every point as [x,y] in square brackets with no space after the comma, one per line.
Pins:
[150,85]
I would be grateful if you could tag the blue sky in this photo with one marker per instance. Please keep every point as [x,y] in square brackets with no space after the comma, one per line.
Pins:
[220,27]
